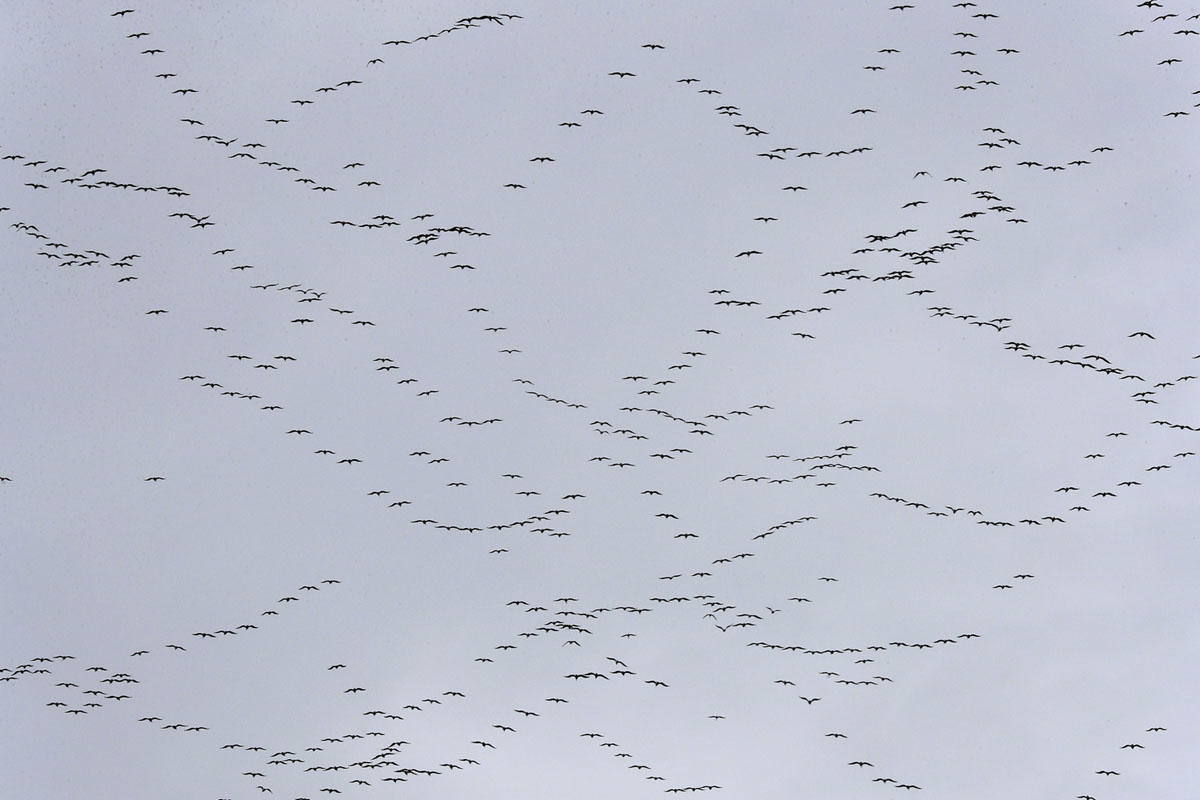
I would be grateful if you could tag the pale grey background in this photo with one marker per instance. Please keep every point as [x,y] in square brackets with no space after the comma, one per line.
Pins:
[601,268]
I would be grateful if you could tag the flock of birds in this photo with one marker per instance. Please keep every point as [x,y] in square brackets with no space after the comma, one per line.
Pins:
[659,423]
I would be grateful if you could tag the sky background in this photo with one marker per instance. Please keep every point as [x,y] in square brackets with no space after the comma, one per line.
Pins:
[714,464]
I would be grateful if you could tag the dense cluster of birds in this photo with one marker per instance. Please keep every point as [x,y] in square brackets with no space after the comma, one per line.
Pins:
[648,433]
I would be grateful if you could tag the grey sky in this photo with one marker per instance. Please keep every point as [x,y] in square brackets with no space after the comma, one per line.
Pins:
[827,404]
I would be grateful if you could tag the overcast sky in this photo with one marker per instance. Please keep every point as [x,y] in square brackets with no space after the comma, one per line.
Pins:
[578,400]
